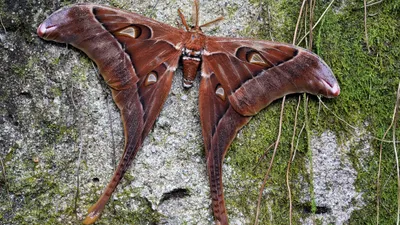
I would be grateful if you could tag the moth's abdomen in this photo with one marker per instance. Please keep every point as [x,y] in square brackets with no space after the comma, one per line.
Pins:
[78,26]
[190,68]
[191,61]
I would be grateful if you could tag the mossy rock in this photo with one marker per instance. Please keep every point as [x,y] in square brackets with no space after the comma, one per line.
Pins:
[61,136]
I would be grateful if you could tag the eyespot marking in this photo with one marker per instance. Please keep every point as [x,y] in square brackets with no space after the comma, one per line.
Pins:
[220,92]
[253,56]
[256,58]
[151,78]
[132,31]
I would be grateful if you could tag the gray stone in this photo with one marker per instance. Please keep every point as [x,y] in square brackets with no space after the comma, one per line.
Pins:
[61,135]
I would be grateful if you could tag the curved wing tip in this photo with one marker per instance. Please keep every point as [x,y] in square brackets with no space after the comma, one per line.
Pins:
[90,218]
[41,30]
[56,20]
[222,221]
[331,90]
[45,29]
[93,215]
[331,86]
[335,90]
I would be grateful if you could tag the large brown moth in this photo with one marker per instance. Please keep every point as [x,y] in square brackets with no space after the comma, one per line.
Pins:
[138,56]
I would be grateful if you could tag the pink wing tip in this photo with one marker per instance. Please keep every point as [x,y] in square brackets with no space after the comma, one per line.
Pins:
[335,89]
[41,30]
[44,29]
[331,90]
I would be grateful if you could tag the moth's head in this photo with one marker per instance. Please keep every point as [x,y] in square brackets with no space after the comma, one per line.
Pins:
[194,29]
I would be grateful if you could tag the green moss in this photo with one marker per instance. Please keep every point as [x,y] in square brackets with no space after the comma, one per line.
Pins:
[66,3]
[23,68]
[34,189]
[55,133]
[368,83]
[55,61]
[116,4]
[56,91]
[11,152]
[19,70]
[232,10]
[119,213]
[79,72]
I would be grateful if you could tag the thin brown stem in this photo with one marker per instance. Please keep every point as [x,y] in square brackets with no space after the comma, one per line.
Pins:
[264,155]
[305,24]
[78,163]
[4,28]
[378,187]
[298,21]
[269,23]
[298,140]
[394,119]
[365,25]
[310,155]
[312,6]
[318,112]
[371,3]
[271,162]
[341,119]
[3,172]
[290,162]
[352,126]
[318,21]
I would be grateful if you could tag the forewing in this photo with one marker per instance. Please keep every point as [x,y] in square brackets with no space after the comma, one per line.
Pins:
[137,58]
[255,72]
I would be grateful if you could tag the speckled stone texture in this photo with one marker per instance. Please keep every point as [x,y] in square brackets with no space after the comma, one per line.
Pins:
[61,135]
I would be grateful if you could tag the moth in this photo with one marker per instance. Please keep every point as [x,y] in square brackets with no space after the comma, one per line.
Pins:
[138,56]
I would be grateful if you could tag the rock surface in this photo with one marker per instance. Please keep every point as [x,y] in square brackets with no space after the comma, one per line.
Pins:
[61,136]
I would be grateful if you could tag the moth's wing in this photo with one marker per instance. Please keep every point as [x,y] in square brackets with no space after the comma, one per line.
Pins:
[137,58]
[239,78]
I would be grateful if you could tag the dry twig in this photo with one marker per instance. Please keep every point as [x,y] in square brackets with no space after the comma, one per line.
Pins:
[78,163]
[318,21]
[365,25]
[271,161]
[290,162]
[312,5]
[352,126]
[264,155]
[4,28]
[378,187]
[371,3]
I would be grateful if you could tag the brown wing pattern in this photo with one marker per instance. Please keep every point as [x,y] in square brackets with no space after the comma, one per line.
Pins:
[262,71]
[137,58]
[251,74]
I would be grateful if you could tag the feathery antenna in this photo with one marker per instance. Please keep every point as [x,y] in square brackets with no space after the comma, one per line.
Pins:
[195,16]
